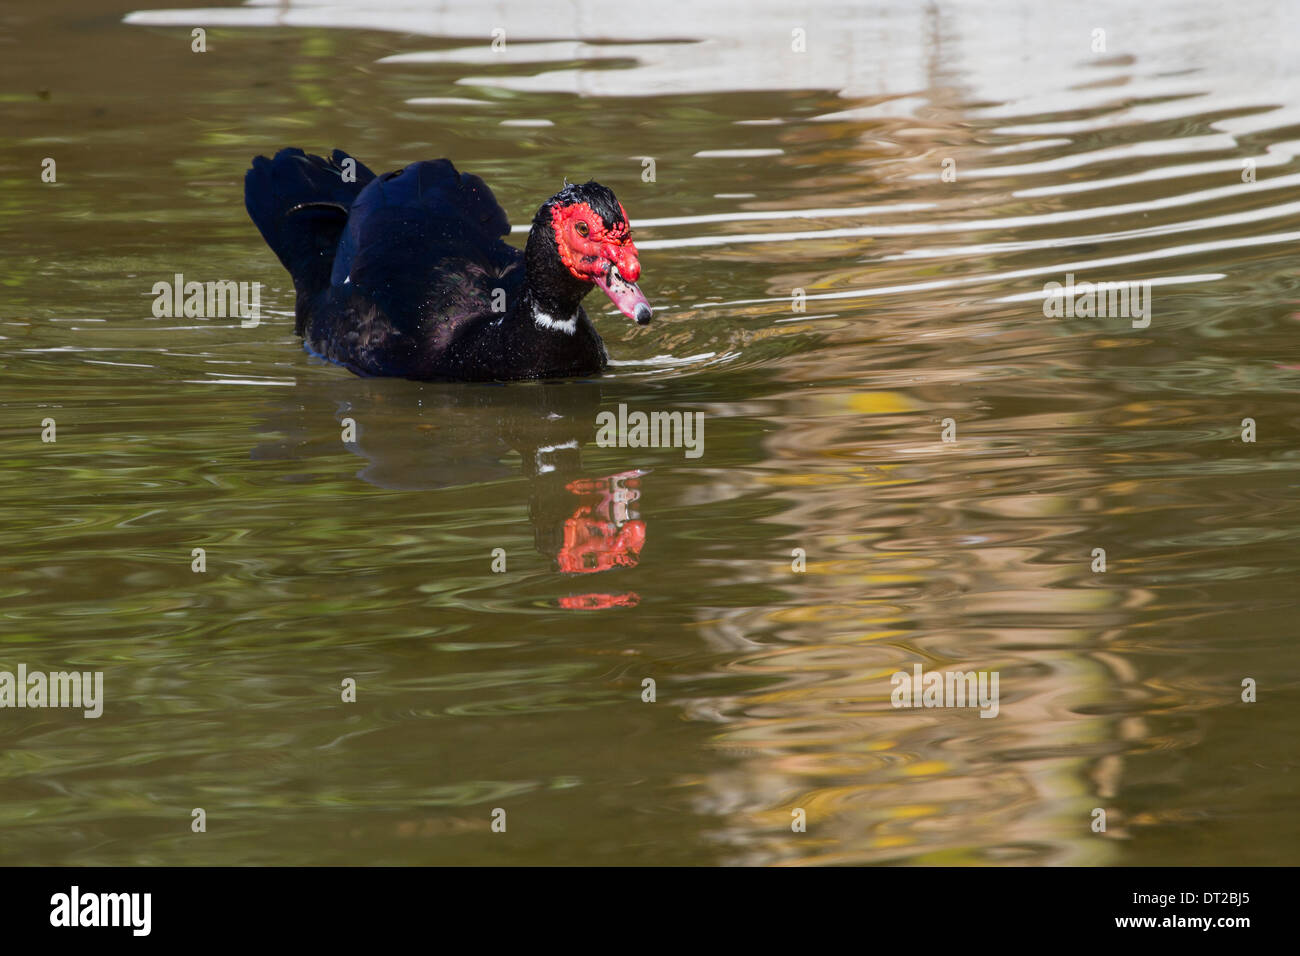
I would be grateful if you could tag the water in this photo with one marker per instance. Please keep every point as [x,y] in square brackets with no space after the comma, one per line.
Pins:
[522,690]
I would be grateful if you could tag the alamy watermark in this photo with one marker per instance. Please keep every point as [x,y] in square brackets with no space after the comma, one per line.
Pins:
[221,299]
[79,689]
[946,689]
[1098,300]
[75,908]
[651,430]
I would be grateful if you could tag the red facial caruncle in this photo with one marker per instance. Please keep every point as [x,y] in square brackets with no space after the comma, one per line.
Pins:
[605,255]
[587,246]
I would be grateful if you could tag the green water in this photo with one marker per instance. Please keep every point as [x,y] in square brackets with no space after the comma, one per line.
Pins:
[523,690]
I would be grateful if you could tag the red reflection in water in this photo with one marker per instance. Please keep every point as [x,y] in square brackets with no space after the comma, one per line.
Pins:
[602,533]
[598,602]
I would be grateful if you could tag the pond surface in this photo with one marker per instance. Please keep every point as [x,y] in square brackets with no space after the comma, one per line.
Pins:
[830,301]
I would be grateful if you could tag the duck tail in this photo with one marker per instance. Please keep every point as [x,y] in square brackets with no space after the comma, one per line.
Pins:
[300,205]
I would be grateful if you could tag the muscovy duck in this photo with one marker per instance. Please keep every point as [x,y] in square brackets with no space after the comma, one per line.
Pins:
[406,274]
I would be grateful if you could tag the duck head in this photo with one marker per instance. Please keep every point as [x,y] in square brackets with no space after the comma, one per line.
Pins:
[581,235]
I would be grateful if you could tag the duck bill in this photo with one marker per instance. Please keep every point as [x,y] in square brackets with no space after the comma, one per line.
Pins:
[625,295]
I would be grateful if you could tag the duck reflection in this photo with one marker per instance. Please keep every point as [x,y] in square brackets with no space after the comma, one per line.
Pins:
[424,436]
[603,532]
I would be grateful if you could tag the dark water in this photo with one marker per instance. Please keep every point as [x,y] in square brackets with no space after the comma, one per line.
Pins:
[522,690]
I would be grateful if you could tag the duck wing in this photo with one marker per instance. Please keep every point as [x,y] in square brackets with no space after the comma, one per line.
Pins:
[424,245]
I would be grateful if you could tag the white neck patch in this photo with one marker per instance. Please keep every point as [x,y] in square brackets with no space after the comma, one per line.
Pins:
[544,468]
[544,321]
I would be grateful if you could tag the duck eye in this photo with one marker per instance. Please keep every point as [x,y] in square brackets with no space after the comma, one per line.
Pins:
[582,229]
